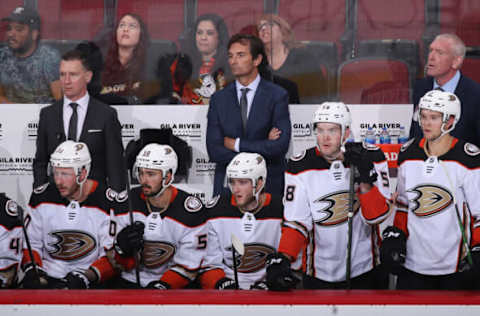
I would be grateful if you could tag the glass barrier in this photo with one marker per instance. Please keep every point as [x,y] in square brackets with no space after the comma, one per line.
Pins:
[175,51]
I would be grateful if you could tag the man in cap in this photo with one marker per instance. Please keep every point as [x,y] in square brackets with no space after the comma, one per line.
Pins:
[28,70]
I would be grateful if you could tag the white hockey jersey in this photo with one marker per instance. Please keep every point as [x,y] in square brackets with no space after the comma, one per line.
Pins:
[259,232]
[67,235]
[426,209]
[175,239]
[11,237]
[316,207]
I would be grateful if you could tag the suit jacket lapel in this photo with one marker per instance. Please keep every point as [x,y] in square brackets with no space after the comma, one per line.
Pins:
[61,127]
[88,118]
[256,108]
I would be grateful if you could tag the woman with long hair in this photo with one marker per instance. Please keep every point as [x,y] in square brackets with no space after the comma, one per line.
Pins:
[202,62]
[125,65]
[290,60]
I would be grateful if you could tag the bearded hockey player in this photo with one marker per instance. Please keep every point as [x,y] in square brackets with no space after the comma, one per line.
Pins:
[251,215]
[435,240]
[169,230]
[317,189]
[68,225]
[11,237]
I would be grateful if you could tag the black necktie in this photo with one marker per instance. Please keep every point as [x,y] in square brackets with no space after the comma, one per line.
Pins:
[72,126]
[244,106]
[439,88]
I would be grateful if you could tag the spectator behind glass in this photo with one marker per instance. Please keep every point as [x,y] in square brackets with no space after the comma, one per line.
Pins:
[28,70]
[204,55]
[290,60]
[125,72]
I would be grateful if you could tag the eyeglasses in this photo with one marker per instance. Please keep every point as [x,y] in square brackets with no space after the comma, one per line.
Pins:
[131,26]
[267,23]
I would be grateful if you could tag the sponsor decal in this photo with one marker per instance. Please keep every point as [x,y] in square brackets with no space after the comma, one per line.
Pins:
[185,129]
[16,165]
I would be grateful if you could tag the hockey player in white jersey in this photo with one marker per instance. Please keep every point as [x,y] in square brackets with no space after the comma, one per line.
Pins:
[11,237]
[316,201]
[251,215]
[436,234]
[169,230]
[68,225]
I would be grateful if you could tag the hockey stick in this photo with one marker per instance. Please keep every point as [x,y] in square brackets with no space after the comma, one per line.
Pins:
[130,215]
[20,213]
[459,219]
[237,246]
[351,194]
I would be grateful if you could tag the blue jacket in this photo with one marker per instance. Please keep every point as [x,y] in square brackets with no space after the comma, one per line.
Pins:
[269,109]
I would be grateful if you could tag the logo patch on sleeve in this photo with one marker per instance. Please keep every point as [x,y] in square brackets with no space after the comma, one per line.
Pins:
[407,144]
[471,149]
[41,188]
[193,204]
[298,156]
[122,196]
[11,208]
[213,201]
[111,194]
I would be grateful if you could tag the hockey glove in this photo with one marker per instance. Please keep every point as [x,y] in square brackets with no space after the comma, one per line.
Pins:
[393,249]
[158,285]
[76,279]
[358,156]
[33,281]
[259,285]
[279,273]
[225,284]
[130,239]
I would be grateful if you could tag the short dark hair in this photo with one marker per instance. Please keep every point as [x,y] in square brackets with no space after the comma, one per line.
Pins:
[256,48]
[76,54]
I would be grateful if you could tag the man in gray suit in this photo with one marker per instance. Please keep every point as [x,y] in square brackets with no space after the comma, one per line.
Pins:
[81,118]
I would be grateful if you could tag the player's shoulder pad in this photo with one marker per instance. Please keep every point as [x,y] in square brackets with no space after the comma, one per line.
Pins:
[41,188]
[121,196]
[471,149]
[213,201]
[407,144]
[298,156]
[192,204]
[369,147]
[111,194]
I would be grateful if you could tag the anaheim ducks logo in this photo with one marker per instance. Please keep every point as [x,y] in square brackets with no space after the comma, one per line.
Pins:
[157,253]
[254,257]
[334,208]
[71,245]
[430,199]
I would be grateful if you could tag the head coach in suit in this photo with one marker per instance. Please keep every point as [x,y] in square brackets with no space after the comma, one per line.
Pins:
[445,59]
[249,115]
[81,118]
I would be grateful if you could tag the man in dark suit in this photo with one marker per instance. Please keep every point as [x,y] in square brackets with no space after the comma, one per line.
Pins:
[445,59]
[80,117]
[249,115]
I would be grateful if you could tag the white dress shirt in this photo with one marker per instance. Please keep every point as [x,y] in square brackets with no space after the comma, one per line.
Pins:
[81,113]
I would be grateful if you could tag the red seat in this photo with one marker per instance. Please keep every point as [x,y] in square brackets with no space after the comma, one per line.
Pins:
[315,20]
[386,92]
[357,75]
[471,68]
[164,18]
[380,19]
[236,13]
[65,20]
[462,18]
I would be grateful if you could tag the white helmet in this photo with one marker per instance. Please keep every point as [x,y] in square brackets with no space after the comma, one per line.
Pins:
[158,157]
[70,154]
[444,102]
[333,112]
[248,166]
